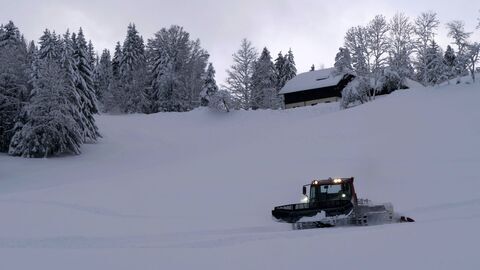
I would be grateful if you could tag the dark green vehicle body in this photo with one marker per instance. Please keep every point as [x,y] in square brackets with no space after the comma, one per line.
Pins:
[333,196]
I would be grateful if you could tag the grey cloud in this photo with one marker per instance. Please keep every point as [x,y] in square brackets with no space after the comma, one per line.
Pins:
[313,29]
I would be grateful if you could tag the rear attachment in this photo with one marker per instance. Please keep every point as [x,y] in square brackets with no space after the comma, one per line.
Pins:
[363,214]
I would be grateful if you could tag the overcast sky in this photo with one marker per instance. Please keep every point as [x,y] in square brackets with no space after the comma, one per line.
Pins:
[314,29]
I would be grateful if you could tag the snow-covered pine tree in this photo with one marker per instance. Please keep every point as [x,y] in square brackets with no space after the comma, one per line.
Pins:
[93,60]
[71,79]
[150,100]
[401,46]
[133,50]
[425,26]
[114,96]
[288,71]
[450,61]
[289,67]
[92,55]
[133,69]
[264,93]
[50,45]
[436,69]
[72,94]
[14,77]
[85,87]
[164,83]
[285,70]
[177,66]
[51,121]
[279,71]
[343,62]
[31,54]
[239,76]
[49,127]
[210,87]
[104,77]
[117,58]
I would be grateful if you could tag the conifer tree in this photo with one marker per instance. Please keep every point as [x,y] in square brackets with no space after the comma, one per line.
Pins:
[50,45]
[133,69]
[264,93]
[85,87]
[210,87]
[436,69]
[31,54]
[289,68]
[51,122]
[49,128]
[177,67]
[117,58]
[450,61]
[151,99]
[343,62]
[279,71]
[112,99]
[71,78]
[104,77]
[133,50]
[92,56]
[14,77]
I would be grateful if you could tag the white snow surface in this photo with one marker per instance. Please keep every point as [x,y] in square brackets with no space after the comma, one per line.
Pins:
[195,190]
[311,80]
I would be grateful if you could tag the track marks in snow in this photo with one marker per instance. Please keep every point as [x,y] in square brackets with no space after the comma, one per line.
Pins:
[87,209]
[199,239]
[190,240]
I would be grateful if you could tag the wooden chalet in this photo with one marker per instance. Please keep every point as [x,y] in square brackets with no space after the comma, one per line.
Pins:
[314,87]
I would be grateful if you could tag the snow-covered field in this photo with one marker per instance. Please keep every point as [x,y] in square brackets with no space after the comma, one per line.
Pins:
[195,190]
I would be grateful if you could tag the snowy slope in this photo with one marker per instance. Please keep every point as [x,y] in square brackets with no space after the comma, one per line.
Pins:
[194,190]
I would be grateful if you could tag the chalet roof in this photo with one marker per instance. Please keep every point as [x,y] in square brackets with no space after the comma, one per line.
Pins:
[311,80]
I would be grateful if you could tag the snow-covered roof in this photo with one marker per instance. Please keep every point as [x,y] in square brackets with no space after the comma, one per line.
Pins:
[412,84]
[311,80]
